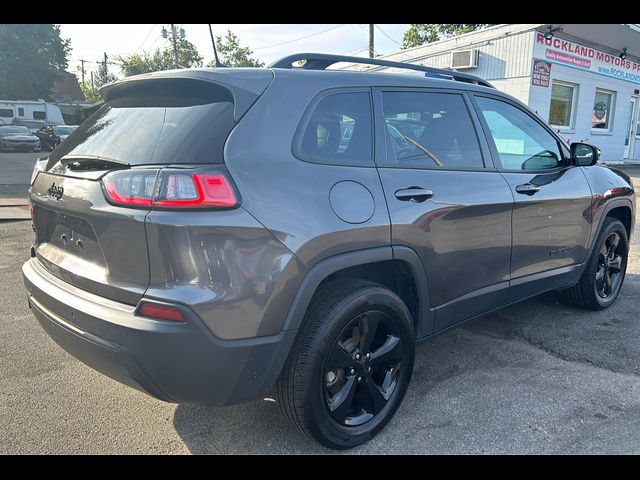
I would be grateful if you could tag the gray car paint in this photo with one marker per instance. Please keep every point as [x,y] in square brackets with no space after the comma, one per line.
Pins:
[249,274]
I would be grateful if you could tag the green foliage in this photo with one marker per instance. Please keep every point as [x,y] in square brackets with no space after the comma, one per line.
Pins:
[90,94]
[421,33]
[32,57]
[161,59]
[232,54]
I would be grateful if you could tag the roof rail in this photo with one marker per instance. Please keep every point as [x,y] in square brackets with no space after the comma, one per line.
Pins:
[320,61]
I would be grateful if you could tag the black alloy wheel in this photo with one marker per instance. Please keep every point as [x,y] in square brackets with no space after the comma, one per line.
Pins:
[351,365]
[362,368]
[603,275]
[611,257]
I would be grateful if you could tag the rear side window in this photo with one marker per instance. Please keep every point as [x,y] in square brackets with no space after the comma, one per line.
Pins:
[155,134]
[338,131]
[6,112]
[430,130]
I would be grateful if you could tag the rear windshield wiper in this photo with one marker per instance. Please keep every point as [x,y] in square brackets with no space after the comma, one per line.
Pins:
[91,162]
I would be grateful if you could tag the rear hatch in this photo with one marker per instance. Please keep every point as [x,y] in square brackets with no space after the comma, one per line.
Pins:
[167,121]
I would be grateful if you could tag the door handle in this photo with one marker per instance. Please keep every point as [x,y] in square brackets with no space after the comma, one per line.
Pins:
[527,189]
[416,194]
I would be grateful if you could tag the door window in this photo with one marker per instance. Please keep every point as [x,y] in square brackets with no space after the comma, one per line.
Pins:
[521,142]
[431,130]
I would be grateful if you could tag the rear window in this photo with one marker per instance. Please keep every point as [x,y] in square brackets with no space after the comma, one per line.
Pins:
[15,130]
[157,134]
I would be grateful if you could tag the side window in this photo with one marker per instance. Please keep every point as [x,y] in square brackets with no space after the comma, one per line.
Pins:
[431,130]
[39,115]
[6,112]
[339,130]
[521,142]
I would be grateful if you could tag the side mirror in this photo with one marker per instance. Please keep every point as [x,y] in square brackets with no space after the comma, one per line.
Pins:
[584,155]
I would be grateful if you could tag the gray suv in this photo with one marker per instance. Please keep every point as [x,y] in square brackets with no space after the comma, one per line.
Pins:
[211,236]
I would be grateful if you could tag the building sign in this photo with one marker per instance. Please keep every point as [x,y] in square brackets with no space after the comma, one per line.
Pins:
[541,73]
[565,52]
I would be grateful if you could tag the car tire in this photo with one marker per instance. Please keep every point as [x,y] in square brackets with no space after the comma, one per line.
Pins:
[351,364]
[602,278]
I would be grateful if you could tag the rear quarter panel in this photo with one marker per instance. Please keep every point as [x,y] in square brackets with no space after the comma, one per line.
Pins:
[290,196]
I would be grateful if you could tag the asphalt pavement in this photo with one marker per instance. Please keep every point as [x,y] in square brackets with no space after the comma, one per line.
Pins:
[538,377]
[15,172]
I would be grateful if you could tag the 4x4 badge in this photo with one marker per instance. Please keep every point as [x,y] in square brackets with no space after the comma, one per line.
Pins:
[55,191]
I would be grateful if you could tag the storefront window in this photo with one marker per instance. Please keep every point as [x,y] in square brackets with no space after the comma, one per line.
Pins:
[602,110]
[562,101]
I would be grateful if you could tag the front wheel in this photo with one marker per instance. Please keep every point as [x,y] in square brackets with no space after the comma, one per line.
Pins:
[604,273]
[351,366]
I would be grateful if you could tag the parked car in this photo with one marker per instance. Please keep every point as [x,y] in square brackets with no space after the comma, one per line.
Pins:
[32,125]
[52,135]
[17,138]
[216,236]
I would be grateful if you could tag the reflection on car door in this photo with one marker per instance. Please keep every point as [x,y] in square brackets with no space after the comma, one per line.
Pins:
[456,216]
[552,198]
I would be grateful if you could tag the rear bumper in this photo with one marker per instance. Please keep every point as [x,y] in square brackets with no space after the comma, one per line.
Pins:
[175,362]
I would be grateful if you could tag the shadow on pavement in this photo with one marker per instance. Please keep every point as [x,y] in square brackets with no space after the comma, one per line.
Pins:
[541,376]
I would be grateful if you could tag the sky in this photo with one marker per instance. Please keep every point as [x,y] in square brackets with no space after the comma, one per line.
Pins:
[268,41]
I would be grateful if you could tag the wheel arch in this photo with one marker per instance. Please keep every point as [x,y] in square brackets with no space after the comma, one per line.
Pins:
[405,276]
[621,209]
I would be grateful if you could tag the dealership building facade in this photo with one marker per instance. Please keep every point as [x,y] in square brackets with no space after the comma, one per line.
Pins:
[584,80]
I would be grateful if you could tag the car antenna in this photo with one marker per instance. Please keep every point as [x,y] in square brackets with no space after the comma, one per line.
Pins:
[215,52]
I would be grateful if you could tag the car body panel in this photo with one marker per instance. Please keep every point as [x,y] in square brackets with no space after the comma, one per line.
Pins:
[462,235]
[550,229]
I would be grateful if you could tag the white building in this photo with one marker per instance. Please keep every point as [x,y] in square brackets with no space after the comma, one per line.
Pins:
[583,79]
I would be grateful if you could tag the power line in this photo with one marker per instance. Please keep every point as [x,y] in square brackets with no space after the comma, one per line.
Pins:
[301,38]
[147,37]
[385,34]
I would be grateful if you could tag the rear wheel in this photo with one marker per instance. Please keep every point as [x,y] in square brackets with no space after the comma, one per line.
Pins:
[350,369]
[603,275]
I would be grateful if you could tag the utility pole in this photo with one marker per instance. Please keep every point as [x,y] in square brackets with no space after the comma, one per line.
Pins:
[92,81]
[371,50]
[81,68]
[175,46]
[174,33]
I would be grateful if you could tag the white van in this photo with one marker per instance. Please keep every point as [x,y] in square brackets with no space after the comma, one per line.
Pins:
[13,110]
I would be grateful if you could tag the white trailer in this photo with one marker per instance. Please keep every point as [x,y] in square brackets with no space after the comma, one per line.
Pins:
[12,110]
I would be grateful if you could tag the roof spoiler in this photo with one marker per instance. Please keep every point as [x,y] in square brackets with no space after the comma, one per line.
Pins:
[244,85]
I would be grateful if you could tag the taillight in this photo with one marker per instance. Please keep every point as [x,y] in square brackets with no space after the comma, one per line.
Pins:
[196,190]
[169,189]
[132,188]
[161,312]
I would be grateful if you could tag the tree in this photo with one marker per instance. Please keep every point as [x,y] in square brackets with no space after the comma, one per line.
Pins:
[421,33]
[90,93]
[32,57]
[232,54]
[161,59]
